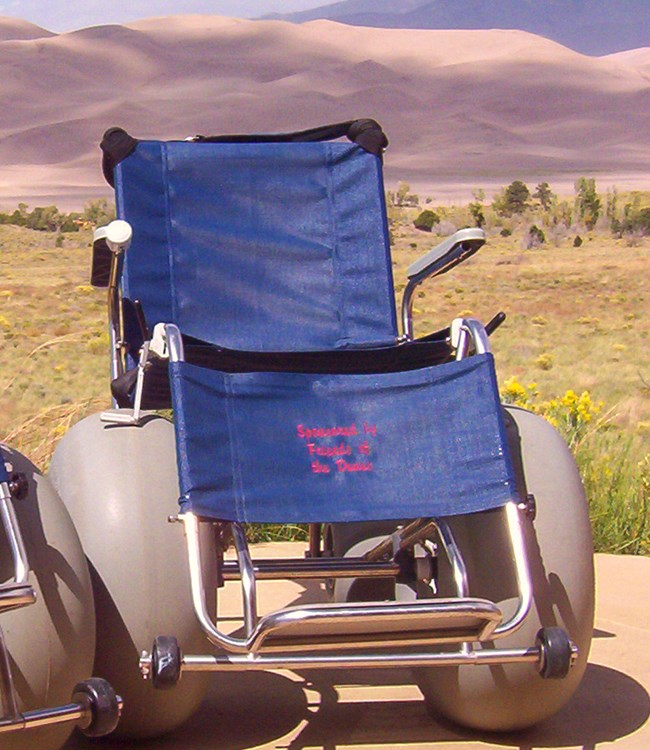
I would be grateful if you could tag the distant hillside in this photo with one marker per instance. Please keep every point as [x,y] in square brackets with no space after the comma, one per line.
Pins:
[12,29]
[462,109]
[593,27]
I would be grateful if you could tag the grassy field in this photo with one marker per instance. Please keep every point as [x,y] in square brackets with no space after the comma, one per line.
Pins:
[578,320]
[53,342]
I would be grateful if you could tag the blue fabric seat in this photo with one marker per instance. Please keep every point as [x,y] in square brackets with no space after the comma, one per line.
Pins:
[296,447]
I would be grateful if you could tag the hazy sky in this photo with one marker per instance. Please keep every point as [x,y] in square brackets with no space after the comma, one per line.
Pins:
[75,14]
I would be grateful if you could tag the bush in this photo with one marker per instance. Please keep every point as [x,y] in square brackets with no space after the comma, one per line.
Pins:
[536,236]
[635,221]
[476,210]
[45,219]
[643,221]
[588,203]
[615,472]
[545,196]
[72,222]
[514,199]
[572,414]
[98,212]
[544,361]
[426,220]
[616,475]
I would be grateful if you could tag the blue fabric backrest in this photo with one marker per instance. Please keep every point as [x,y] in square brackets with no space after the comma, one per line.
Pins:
[260,246]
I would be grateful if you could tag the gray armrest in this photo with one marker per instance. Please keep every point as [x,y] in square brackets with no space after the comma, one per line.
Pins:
[440,259]
[447,254]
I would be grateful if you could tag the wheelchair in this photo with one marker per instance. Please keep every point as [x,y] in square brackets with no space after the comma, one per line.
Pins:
[250,290]
[47,619]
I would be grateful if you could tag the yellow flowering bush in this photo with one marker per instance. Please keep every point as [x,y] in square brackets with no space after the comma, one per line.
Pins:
[618,489]
[570,413]
[615,470]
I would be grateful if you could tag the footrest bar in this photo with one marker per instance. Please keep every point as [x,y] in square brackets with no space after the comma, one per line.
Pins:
[46,717]
[365,625]
[221,662]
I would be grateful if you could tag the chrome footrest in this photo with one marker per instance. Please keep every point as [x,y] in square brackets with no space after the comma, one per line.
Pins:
[372,625]
[15,595]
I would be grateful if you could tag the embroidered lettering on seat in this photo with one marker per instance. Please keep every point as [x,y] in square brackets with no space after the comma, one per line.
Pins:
[345,456]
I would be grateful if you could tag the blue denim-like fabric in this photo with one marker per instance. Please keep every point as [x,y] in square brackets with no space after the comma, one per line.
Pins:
[262,246]
[268,447]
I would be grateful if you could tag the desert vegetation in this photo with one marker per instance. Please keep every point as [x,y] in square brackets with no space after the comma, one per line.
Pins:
[50,219]
[570,272]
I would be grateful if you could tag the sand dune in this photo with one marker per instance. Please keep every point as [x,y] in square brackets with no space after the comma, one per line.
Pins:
[462,109]
[635,58]
[14,28]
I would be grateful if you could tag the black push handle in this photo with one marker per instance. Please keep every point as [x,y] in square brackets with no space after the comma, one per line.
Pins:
[494,323]
[117,144]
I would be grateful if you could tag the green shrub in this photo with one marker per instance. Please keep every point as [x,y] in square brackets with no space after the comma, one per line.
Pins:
[616,476]
[426,220]
[476,210]
[536,236]
[615,472]
[98,212]
[513,200]
[545,196]
[588,203]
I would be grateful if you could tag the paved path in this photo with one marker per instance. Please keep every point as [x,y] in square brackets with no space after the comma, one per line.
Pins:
[329,711]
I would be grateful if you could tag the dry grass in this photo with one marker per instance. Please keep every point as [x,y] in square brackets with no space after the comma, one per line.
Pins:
[53,361]
[578,318]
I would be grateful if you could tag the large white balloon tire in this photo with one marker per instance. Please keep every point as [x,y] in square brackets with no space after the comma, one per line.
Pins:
[51,643]
[560,554]
[120,484]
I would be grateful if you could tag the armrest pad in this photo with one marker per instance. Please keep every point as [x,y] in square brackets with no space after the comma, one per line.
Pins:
[447,254]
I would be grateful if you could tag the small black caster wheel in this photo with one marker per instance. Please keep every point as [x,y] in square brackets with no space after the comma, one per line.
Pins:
[105,707]
[556,653]
[165,662]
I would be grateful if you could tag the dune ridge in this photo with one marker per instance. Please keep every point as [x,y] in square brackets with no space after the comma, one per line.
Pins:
[17,29]
[462,109]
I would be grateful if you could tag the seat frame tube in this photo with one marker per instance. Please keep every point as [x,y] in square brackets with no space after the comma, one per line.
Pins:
[191,523]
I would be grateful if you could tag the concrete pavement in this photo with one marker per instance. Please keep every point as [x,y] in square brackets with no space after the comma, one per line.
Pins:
[332,710]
